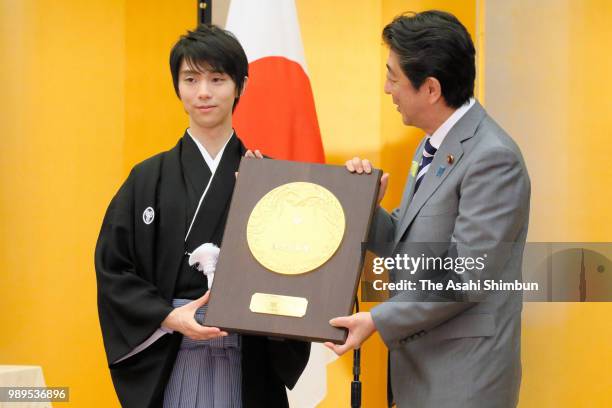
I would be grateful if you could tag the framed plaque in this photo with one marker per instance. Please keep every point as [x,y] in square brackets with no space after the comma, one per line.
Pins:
[292,249]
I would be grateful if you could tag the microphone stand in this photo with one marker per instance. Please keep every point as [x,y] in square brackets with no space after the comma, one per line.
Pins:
[356,383]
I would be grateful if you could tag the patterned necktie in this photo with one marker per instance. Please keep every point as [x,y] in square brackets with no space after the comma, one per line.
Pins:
[428,154]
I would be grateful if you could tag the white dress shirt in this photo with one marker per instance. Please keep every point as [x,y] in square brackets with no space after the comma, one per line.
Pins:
[438,136]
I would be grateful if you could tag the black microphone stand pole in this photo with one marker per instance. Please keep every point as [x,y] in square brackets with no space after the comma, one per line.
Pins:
[356,383]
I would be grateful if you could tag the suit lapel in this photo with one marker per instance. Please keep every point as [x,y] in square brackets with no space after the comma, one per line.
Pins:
[464,129]
[195,171]
[172,199]
[410,181]
[215,204]
[431,181]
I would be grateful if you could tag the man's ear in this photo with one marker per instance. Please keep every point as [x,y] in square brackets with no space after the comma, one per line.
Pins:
[244,85]
[433,88]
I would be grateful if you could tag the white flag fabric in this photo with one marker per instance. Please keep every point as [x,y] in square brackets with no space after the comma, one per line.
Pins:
[267,28]
[311,388]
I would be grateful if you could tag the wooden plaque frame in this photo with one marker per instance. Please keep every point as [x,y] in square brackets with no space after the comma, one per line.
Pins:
[329,289]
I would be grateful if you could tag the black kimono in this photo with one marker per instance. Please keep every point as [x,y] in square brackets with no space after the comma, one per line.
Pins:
[141,267]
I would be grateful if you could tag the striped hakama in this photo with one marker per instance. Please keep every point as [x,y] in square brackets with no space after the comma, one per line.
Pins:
[206,373]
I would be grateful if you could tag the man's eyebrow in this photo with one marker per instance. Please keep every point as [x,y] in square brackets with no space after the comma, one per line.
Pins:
[196,72]
[189,72]
[389,68]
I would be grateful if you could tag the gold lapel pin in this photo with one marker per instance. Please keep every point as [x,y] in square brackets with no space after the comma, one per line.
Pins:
[450,159]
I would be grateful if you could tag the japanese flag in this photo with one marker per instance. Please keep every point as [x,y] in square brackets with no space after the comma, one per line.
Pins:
[277,115]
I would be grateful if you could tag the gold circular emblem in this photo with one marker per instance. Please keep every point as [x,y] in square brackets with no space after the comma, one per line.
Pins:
[295,228]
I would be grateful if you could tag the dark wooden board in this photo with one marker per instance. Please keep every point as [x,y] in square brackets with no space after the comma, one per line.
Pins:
[330,289]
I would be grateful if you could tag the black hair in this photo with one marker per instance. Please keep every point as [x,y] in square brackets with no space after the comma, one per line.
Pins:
[209,47]
[435,44]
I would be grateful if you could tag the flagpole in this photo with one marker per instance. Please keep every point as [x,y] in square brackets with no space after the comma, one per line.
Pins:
[204,11]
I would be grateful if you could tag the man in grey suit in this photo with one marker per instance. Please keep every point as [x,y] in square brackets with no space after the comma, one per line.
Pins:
[468,189]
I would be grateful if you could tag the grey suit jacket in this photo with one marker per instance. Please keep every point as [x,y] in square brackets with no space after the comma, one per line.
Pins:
[459,354]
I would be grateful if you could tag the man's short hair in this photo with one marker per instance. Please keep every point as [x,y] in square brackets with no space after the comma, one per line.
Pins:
[209,47]
[434,44]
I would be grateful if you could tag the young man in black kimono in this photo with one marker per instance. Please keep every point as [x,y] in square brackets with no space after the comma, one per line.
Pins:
[169,205]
